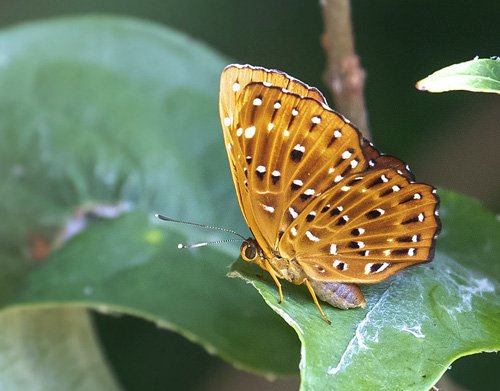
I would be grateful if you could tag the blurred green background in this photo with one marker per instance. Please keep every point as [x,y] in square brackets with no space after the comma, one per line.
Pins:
[451,140]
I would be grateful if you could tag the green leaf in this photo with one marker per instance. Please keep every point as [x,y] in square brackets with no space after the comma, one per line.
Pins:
[416,323]
[479,75]
[51,349]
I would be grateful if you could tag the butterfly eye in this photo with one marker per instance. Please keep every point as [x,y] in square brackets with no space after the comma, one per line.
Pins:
[248,251]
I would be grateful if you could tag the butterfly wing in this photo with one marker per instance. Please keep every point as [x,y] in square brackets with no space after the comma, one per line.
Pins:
[283,151]
[365,229]
[311,189]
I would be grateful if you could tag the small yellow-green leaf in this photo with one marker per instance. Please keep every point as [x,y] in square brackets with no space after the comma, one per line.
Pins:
[479,75]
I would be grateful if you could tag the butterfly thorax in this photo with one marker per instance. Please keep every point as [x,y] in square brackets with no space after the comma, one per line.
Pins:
[287,269]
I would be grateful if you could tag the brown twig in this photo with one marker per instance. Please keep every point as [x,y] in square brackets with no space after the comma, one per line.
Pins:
[343,75]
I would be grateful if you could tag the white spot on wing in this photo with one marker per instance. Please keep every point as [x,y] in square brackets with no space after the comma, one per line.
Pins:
[316,120]
[333,249]
[293,213]
[277,105]
[295,112]
[249,132]
[268,208]
[294,231]
[311,237]
[236,87]
[239,132]
[338,178]
[337,133]
[270,126]
[228,121]
[346,155]
[261,169]
[257,102]
[298,182]
[309,192]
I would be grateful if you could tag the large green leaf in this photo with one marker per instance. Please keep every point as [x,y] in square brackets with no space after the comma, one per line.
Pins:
[106,121]
[478,75]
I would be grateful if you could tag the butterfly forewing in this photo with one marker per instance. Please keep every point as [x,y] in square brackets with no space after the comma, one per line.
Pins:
[313,190]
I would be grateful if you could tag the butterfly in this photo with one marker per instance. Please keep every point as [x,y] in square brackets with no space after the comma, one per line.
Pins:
[325,208]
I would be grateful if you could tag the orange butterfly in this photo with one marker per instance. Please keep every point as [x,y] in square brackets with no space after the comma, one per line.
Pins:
[325,207]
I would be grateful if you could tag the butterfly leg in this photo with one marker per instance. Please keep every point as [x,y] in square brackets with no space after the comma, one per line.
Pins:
[270,270]
[311,291]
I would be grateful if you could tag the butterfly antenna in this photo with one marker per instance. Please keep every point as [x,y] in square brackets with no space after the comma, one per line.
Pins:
[161,217]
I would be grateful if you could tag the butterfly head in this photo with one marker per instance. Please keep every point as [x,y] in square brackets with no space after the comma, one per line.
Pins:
[251,251]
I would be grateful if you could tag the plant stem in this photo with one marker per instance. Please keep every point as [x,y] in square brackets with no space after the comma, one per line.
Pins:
[343,75]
